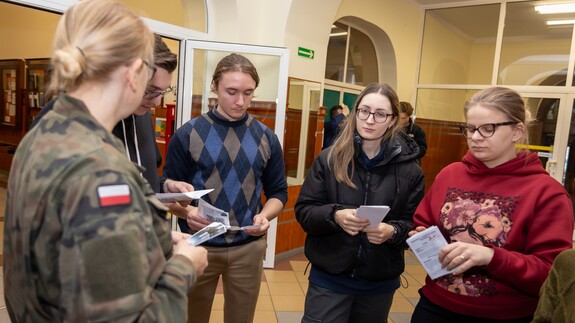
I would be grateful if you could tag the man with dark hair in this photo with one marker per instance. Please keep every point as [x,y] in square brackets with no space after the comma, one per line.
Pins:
[411,129]
[331,127]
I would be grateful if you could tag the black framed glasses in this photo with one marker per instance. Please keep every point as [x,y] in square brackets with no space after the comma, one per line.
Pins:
[485,130]
[152,70]
[152,94]
[378,116]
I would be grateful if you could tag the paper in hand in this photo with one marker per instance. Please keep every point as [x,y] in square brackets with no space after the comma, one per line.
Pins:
[375,213]
[210,231]
[187,196]
[426,245]
[213,214]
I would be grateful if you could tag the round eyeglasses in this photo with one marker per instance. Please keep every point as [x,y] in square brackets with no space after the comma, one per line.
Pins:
[378,116]
[485,130]
[152,94]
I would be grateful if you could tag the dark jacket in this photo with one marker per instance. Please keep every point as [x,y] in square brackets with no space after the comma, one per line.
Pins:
[396,181]
[416,133]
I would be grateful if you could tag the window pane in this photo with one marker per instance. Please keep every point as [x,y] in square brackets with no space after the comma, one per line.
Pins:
[441,104]
[336,52]
[362,61]
[459,45]
[349,99]
[533,53]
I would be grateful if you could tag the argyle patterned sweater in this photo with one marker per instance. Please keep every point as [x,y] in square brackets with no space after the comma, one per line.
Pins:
[237,159]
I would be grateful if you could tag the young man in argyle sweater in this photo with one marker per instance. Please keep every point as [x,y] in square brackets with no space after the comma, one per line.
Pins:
[228,150]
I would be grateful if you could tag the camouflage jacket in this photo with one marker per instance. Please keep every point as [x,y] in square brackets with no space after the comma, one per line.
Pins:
[85,239]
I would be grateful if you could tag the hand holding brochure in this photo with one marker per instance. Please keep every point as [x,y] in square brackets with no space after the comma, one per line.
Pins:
[215,215]
[247,227]
[426,246]
[187,196]
[375,213]
[210,231]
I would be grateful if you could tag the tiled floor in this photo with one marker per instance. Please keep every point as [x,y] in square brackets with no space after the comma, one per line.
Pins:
[283,290]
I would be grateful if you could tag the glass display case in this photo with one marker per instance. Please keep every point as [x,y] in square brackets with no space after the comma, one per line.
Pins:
[37,81]
[12,84]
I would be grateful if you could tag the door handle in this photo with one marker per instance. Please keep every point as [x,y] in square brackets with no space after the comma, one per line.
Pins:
[550,166]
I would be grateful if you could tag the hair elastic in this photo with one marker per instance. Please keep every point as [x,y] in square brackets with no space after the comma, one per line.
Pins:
[81,51]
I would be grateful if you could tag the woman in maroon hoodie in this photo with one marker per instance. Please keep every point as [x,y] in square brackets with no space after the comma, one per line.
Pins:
[506,220]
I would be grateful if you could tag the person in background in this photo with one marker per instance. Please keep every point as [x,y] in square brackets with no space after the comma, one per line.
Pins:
[557,295]
[137,131]
[82,236]
[331,128]
[504,217]
[228,150]
[355,268]
[411,129]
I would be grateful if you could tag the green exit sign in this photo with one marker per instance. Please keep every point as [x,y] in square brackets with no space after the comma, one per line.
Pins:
[304,52]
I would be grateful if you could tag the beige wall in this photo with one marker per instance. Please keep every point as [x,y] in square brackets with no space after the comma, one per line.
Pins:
[184,13]
[401,20]
[26,33]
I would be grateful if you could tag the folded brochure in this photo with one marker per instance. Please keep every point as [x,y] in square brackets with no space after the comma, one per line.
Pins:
[210,231]
[213,230]
[187,196]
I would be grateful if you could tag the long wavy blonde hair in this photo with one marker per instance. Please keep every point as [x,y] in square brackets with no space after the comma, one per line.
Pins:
[343,149]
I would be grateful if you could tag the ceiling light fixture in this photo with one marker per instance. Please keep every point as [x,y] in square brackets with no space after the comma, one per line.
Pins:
[560,22]
[555,8]
[338,34]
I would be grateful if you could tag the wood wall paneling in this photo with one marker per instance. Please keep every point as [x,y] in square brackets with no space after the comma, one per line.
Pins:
[445,145]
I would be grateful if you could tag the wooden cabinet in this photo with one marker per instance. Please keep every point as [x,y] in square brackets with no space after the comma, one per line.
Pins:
[23,87]
[12,79]
[38,78]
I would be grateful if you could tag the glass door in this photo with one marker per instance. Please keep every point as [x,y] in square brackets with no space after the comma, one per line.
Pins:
[547,133]
[568,137]
[194,95]
[552,135]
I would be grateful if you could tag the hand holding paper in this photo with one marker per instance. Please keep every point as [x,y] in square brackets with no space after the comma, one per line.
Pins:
[187,196]
[211,231]
[426,245]
[374,213]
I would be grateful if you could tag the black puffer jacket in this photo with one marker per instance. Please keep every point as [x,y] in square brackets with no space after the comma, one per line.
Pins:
[396,181]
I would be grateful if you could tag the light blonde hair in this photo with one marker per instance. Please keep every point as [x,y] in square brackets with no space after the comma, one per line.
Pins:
[93,38]
[343,148]
[508,102]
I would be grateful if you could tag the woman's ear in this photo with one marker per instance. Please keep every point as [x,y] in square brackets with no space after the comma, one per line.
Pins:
[519,132]
[133,72]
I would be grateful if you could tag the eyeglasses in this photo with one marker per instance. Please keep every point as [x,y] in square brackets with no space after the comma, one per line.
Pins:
[378,116]
[152,70]
[485,130]
[152,94]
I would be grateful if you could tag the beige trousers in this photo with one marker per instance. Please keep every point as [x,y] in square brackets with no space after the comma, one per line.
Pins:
[241,270]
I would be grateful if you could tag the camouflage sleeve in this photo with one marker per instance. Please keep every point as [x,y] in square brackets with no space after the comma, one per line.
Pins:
[111,265]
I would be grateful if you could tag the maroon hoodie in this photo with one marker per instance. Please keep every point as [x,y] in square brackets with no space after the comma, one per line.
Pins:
[517,209]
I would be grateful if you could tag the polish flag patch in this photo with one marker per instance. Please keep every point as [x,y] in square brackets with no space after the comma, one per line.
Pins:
[111,195]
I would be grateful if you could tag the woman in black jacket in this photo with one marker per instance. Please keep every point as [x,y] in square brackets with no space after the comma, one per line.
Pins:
[355,268]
